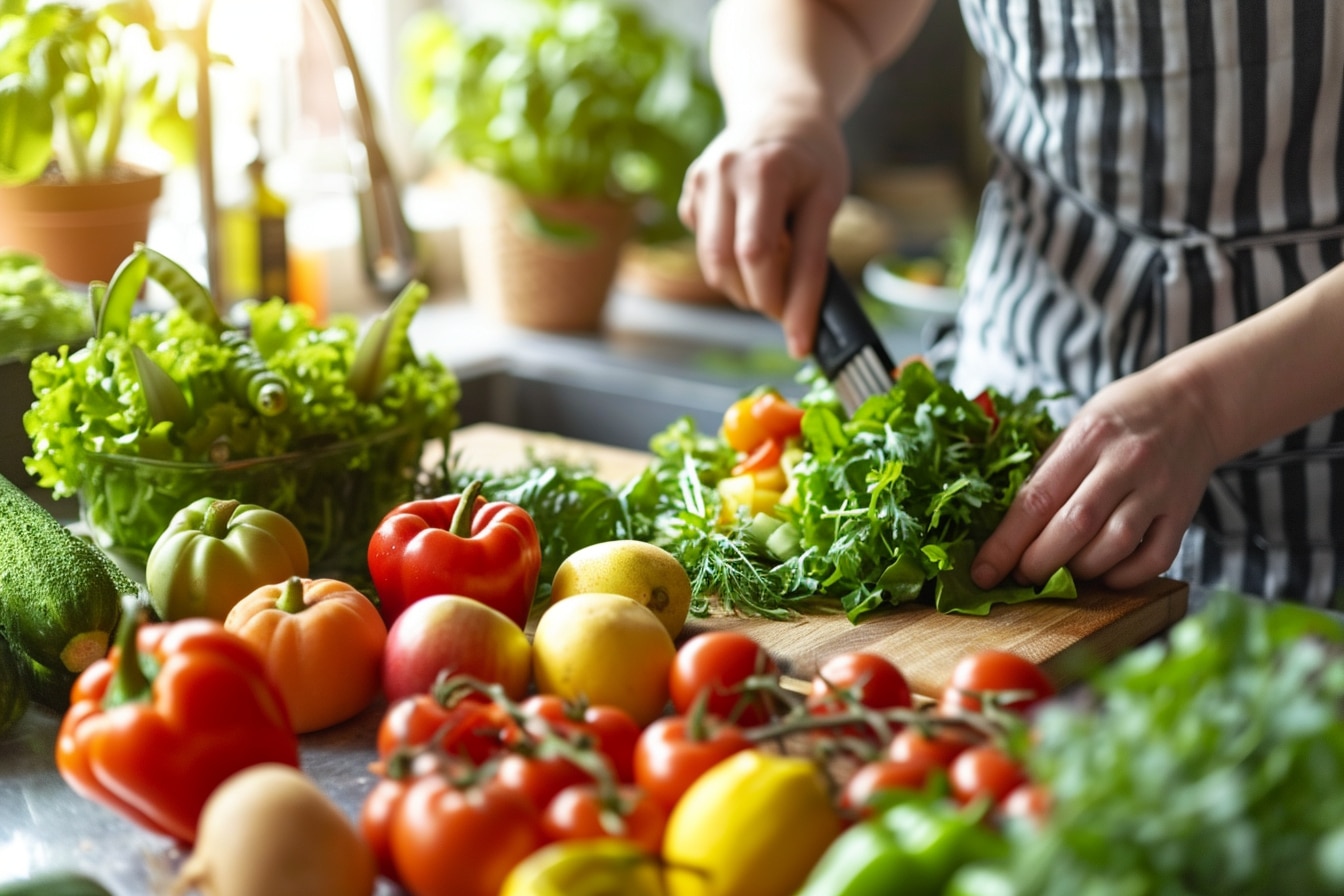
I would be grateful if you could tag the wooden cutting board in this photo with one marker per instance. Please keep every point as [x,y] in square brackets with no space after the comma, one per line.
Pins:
[1066,637]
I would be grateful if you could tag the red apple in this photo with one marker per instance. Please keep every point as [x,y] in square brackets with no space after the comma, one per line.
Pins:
[457,635]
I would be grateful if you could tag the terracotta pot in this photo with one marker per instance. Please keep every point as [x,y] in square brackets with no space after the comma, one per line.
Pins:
[81,231]
[545,264]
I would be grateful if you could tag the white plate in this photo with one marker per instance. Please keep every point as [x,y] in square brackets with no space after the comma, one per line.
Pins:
[896,290]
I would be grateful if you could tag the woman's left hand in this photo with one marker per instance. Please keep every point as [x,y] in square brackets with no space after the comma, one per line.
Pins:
[1113,496]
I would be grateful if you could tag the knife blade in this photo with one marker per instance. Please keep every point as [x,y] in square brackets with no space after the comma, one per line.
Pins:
[847,348]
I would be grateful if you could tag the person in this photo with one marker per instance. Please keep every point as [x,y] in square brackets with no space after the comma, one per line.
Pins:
[1160,238]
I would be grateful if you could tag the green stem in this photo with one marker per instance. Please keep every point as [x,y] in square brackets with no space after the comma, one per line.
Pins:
[215,523]
[466,509]
[291,596]
[129,683]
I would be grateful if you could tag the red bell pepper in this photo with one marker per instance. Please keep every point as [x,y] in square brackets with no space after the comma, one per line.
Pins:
[457,544]
[172,710]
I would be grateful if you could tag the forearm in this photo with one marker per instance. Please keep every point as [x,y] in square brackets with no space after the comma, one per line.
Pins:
[805,57]
[1274,372]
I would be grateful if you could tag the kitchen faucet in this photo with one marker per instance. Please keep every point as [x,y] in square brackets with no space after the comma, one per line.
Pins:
[390,254]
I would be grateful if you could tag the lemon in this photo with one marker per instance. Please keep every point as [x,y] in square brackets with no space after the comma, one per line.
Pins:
[606,649]
[586,868]
[641,571]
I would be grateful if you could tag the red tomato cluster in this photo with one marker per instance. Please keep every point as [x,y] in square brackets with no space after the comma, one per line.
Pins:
[474,782]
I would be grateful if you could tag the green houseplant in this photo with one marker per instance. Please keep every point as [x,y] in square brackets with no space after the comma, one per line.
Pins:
[582,117]
[80,82]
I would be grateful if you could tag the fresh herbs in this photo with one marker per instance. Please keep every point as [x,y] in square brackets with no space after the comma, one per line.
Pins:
[1210,762]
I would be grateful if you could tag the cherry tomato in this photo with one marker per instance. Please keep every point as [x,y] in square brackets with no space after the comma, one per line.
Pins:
[375,821]
[741,430]
[719,662]
[777,415]
[938,748]
[764,457]
[538,779]
[1027,802]
[984,771]
[469,728]
[670,756]
[986,404]
[612,730]
[994,670]
[579,813]
[859,793]
[866,678]
[446,840]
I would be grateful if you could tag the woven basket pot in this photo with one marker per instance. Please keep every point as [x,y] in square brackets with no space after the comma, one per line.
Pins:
[81,231]
[540,263]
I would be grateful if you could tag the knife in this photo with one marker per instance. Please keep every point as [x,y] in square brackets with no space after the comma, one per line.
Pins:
[847,347]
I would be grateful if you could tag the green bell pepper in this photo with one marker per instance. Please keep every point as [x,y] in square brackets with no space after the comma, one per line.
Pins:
[913,848]
[216,552]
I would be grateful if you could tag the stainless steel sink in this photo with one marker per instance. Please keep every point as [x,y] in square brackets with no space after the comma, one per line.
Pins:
[612,397]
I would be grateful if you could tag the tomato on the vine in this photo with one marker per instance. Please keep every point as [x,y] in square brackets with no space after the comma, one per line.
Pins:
[613,731]
[672,754]
[462,841]
[984,771]
[867,679]
[579,812]
[538,779]
[718,663]
[473,729]
[994,670]
[375,822]
[860,793]
[938,747]
[1028,802]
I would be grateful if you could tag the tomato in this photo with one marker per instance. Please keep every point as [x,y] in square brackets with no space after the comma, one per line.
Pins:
[719,662]
[470,728]
[879,777]
[538,779]
[464,842]
[375,821]
[939,747]
[1026,802]
[779,417]
[579,812]
[864,678]
[741,429]
[670,755]
[765,456]
[994,670]
[986,404]
[613,731]
[984,771]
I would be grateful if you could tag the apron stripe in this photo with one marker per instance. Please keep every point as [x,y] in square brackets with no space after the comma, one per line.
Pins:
[1109,187]
[1202,132]
[1072,101]
[1252,28]
[1308,62]
[1151,55]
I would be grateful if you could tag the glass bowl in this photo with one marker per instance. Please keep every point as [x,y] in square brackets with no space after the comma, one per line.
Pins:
[335,494]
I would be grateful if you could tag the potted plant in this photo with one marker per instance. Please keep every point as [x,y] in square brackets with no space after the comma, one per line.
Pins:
[576,121]
[81,82]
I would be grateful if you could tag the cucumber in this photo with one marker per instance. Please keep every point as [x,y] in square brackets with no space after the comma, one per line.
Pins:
[59,883]
[60,596]
[13,693]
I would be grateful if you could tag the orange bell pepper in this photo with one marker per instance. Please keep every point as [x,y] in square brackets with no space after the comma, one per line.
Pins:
[322,643]
[172,710]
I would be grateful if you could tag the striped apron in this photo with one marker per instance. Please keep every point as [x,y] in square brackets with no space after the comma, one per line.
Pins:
[1164,168]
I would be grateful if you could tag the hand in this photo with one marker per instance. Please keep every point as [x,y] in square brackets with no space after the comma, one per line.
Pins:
[760,200]
[1113,496]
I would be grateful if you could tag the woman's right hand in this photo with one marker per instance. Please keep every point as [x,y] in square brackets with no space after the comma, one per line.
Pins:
[760,200]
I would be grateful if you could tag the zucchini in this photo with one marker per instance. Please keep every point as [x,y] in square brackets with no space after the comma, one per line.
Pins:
[60,596]
[13,693]
[45,686]
[56,883]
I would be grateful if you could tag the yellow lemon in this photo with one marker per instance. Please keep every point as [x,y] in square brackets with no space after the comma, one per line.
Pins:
[641,571]
[607,649]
